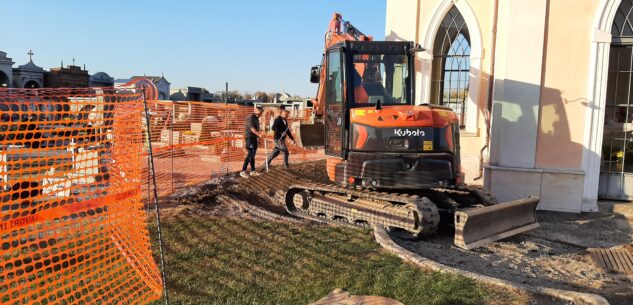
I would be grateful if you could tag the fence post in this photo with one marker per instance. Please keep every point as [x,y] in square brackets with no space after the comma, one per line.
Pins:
[171,142]
[153,174]
[228,134]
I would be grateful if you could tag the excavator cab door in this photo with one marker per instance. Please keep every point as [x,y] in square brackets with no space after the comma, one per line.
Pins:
[334,105]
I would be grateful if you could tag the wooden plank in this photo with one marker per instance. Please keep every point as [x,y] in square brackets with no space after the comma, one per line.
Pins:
[606,259]
[597,258]
[629,257]
[627,265]
[616,260]
[623,263]
[620,262]
[613,259]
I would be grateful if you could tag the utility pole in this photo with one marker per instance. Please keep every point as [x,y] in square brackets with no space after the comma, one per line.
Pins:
[226,93]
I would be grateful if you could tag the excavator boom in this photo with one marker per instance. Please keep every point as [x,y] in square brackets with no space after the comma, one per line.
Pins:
[339,30]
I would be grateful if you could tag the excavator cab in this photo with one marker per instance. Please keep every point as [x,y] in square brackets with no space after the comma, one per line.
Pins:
[358,74]
[376,135]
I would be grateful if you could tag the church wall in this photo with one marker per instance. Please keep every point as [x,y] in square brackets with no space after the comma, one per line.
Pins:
[564,95]
[540,94]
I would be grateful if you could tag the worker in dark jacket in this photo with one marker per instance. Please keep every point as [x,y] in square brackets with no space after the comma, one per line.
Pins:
[281,130]
[251,137]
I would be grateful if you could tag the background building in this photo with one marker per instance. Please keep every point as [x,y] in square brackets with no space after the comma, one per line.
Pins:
[6,73]
[551,78]
[69,77]
[28,75]
[101,79]
[161,84]
[191,94]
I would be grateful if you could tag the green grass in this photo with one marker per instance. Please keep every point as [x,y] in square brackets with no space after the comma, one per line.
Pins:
[231,261]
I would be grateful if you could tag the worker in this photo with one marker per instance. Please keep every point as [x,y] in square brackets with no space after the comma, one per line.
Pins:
[281,130]
[251,136]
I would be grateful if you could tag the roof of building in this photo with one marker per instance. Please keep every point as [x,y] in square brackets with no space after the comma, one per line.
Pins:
[69,69]
[101,76]
[154,79]
[4,59]
[30,66]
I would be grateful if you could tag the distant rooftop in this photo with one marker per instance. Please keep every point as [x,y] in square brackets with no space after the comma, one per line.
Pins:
[152,78]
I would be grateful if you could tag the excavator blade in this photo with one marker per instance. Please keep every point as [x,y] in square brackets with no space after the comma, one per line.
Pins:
[479,226]
[312,135]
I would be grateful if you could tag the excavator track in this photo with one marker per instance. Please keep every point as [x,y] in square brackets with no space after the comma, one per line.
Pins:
[329,203]
[478,217]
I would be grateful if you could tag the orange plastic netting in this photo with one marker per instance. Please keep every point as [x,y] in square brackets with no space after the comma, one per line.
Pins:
[195,141]
[74,176]
[72,219]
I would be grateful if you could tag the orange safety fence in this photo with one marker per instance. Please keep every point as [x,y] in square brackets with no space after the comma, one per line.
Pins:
[196,141]
[74,176]
[72,220]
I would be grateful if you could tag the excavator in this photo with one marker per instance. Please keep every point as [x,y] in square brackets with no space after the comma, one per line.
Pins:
[392,163]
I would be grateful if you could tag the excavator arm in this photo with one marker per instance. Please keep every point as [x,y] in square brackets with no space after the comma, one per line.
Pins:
[338,30]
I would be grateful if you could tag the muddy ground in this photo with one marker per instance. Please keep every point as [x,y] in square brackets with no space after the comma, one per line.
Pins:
[554,255]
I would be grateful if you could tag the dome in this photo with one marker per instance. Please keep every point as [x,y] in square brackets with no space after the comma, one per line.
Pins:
[30,66]
[101,76]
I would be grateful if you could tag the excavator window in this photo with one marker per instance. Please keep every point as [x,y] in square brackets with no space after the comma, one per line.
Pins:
[381,77]
[334,113]
[334,77]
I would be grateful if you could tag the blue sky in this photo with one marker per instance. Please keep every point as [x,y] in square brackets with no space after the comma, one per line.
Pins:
[254,45]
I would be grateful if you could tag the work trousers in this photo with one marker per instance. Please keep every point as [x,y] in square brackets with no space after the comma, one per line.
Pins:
[251,146]
[280,147]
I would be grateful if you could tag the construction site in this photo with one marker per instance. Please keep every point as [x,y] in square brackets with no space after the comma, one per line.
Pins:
[412,177]
[197,150]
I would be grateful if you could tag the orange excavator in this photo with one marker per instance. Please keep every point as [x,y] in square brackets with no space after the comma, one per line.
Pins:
[393,163]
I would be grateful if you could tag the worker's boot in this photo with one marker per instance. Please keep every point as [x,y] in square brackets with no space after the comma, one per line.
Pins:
[243,174]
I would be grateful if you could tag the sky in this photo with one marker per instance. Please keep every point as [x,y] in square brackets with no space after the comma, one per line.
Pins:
[254,45]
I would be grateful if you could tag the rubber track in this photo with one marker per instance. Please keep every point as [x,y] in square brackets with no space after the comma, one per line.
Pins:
[429,212]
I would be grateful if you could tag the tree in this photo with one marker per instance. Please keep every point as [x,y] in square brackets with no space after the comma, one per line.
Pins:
[262,96]
[233,95]
[248,96]
[272,95]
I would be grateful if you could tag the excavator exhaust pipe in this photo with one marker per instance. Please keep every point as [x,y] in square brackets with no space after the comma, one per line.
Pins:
[312,135]
[477,227]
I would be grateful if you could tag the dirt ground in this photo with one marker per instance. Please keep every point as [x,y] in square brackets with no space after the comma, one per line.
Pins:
[541,258]
[554,255]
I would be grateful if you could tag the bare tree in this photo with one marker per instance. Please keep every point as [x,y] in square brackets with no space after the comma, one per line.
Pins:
[233,95]
[262,96]
[272,95]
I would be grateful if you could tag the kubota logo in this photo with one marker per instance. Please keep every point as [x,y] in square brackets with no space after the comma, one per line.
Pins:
[408,132]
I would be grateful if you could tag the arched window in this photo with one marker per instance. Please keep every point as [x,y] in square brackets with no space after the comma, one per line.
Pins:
[4,80]
[622,29]
[617,143]
[31,84]
[451,64]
